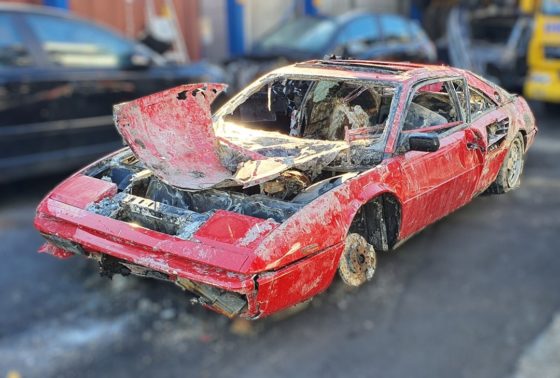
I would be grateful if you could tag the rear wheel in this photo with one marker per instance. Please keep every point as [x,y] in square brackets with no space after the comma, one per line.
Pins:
[357,263]
[509,176]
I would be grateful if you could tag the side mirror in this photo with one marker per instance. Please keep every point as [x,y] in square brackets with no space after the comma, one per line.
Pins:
[426,142]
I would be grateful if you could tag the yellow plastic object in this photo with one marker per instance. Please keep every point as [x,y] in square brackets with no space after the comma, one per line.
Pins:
[528,6]
[543,79]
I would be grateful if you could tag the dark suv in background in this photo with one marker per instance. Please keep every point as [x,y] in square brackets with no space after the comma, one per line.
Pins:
[59,78]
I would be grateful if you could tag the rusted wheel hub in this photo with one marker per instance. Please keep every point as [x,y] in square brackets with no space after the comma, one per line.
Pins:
[357,263]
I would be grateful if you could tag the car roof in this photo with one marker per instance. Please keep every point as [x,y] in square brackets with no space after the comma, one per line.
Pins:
[370,70]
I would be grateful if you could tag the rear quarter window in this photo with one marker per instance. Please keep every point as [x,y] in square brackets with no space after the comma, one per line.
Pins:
[479,102]
[495,93]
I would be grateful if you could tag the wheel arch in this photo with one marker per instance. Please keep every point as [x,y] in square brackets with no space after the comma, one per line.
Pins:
[379,219]
[523,133]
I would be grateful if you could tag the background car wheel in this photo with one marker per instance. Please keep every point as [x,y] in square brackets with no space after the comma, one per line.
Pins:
[357,263]
[509,176]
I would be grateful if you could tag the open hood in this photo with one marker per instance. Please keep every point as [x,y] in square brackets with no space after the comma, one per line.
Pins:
[172,133]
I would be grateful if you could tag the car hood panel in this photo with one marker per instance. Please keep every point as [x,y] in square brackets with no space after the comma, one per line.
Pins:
[171,133]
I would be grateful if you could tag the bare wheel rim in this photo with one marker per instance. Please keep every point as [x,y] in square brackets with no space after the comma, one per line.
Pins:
[515,163]
[358,262]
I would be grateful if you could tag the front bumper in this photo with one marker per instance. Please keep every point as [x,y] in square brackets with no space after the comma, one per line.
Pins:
[70,230]
[117,245]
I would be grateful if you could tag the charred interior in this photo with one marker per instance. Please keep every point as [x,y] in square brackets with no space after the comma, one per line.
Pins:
[315,109]
[294,117]
[146,200]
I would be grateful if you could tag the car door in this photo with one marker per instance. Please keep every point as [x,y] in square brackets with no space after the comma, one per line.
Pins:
[18,64]
[86,70]
[489,125]
[439,182]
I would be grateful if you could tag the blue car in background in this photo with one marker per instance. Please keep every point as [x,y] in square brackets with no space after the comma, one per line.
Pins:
[59,78]
[355,34]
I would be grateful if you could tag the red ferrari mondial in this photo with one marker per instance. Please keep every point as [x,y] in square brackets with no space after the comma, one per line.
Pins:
[307,172]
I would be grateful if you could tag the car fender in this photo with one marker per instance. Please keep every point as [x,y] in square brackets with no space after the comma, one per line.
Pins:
[322,223]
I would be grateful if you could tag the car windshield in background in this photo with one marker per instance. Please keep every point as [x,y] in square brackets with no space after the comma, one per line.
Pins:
[551,7]
[304,34]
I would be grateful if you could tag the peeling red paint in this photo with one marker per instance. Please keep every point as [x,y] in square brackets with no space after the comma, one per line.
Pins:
[171,132]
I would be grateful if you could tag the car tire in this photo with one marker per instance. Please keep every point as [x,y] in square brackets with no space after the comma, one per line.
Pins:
[509,176]
[358,261]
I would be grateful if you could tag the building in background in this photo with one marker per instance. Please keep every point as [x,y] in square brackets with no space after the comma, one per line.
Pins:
[129,16]
[214,29]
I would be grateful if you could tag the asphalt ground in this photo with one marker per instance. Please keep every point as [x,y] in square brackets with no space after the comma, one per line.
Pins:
[475,295]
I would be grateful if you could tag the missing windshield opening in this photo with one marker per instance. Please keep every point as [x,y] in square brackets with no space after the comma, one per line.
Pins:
[315,109]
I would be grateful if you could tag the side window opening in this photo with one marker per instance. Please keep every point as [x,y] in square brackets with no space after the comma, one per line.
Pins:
[479,103]
[432,109]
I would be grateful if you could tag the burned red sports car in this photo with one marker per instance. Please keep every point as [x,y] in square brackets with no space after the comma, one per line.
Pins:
[310,170]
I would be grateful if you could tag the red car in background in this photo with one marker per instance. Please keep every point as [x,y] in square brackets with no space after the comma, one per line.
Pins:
[310,170]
